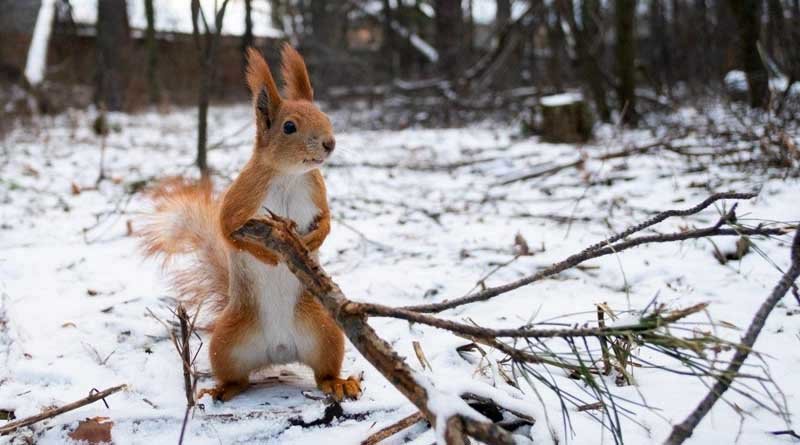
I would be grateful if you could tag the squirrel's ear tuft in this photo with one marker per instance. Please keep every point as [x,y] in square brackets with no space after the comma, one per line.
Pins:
[297,85]
[265,93]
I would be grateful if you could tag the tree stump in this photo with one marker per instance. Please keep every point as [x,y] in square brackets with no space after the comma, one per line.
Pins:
[566,118]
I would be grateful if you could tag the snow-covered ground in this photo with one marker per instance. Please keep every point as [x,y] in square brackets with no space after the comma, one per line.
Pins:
[75,293]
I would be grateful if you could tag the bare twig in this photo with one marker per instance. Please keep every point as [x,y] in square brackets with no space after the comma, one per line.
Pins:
[183,318]
[607,247]
[400,425]
[643,325]
[52,412]
[684,430]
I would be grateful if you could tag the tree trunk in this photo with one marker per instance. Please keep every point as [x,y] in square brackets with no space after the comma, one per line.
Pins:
[677,45]
[660,59]
[327,21]
[748,19]
[449,23]
[247,37]
[555,40]
[113,36]
[389,39]
[701,53]
[469,35]
[590,62]
[503,14]
[779,46]
[206,46]
[202,118]
[152,53]
[625,16]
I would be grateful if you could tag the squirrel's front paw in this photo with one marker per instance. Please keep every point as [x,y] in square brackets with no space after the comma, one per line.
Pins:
[341,388]
[276,221]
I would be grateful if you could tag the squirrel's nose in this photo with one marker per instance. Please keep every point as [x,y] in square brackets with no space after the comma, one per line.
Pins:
[329,145]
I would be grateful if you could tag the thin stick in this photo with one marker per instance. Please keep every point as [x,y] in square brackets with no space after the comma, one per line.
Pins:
[52,412]
[601,323]
[605,247]
[684,430]
[183,317]
[394,428]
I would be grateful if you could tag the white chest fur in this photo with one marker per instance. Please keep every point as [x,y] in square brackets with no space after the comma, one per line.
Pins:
[277,289]
[290,196]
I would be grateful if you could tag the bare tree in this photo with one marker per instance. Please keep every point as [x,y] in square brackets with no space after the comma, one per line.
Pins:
[661,59]
[206,45]
[389,43]
[247,37]
[556,41]
[748,20]
[113,37]
[153,88]
[328,23]
[625,19]
[503,14]
[449,23]
[589,48]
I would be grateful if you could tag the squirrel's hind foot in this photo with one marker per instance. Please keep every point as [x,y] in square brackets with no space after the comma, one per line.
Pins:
[341,388]
[224,391]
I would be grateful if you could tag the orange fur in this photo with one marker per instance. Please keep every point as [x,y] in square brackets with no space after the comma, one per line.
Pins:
[188,220]
[295,76]
[185,222]
[322,225]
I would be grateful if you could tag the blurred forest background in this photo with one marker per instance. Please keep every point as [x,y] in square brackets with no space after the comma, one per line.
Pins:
[478,141]
[439,61]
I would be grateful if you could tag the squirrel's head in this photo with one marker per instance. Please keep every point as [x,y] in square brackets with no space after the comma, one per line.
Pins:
[292,134]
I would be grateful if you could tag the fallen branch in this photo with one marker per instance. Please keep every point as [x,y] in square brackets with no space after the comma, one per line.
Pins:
[278,235]
[391,430]
[52,412]
[643,325]
[611,246]
[684,430]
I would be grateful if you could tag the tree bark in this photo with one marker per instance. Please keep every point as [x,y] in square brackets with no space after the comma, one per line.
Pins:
[327,22]
[113,37]
[206,46]
[203,99]
[555,40]
[153,89]
[661,62]
[625,17]
[389,39]
[589,47]
[701,53]
[449,23]
[247,37]
[776,27]
[748,20]
[503,14]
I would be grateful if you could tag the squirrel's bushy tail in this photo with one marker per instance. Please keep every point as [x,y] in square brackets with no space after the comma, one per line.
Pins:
[185,223]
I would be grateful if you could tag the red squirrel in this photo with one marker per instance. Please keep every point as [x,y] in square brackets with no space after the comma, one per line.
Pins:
[263,316]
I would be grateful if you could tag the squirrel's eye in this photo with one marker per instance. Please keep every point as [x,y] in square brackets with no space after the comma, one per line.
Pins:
[289,127]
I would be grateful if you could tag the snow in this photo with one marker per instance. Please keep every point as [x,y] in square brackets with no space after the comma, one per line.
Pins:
[561,99]
[74,290]
[37,52]
[736,80]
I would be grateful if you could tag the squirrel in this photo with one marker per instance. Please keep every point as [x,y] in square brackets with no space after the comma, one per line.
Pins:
[262,314]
